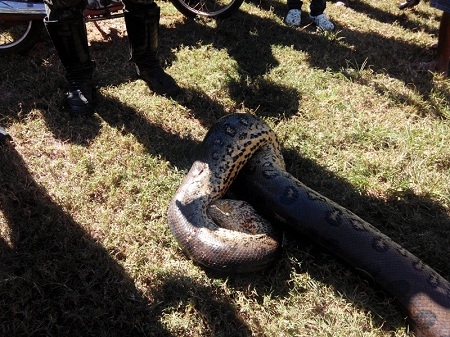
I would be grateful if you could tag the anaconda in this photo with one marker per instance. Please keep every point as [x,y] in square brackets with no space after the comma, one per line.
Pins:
[243,139]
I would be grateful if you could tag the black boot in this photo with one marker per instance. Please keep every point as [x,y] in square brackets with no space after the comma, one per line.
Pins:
[142,22]
[70,40]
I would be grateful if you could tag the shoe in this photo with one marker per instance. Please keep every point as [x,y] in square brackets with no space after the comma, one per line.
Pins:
[344,3]
[408,4]
[159,81]
[293,17]
[322,22]
[80,98]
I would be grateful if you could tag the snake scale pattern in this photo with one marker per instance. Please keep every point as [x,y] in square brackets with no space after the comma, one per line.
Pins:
[243,144]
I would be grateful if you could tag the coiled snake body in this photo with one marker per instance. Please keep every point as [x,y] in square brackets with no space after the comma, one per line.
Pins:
[242,139]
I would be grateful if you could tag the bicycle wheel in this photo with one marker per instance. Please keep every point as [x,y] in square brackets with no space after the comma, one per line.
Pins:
[19,36]
[208,8]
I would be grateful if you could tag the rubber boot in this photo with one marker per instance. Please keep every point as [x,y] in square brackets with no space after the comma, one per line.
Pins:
[142,22]
[70,40]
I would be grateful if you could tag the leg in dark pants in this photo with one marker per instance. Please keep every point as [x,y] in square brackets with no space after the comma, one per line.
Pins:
[67,30]
[317,7]
[142,22]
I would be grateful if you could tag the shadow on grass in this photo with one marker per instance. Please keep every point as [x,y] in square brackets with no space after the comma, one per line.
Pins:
[156,140]
[56,280]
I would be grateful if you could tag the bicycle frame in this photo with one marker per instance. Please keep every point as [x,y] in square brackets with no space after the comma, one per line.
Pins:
[21,10]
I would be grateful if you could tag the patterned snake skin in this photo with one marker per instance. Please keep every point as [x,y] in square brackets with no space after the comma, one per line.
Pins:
[240,139]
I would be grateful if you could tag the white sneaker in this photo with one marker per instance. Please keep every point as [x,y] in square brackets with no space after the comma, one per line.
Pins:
[293,17]
[322,22]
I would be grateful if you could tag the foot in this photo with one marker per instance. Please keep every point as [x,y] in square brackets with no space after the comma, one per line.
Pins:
[408,4]
[159,81]
[344,3]
[322,22]
[80,98]
[293,17]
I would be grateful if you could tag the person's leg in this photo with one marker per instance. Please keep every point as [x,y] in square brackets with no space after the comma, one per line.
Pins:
[142,22]
[443,47]
[67,30]
[317,7]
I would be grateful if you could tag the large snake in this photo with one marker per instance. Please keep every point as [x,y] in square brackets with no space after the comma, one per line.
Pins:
[239,140]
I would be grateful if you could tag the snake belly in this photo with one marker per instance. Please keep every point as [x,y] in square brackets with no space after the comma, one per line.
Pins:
[422,291]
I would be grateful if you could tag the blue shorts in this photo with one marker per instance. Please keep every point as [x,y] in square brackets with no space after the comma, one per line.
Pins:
[443,5]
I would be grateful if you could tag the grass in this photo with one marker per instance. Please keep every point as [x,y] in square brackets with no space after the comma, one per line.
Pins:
[86,250]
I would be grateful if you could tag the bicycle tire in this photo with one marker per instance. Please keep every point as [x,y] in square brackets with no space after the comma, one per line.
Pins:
[19,37]
[207,8]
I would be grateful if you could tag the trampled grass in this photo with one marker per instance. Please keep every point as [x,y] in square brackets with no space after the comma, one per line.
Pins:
[85,245]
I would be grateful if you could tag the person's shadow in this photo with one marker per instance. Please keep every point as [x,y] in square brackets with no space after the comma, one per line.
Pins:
[56,280]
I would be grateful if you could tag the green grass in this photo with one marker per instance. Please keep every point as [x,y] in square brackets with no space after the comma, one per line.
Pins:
[85,245]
